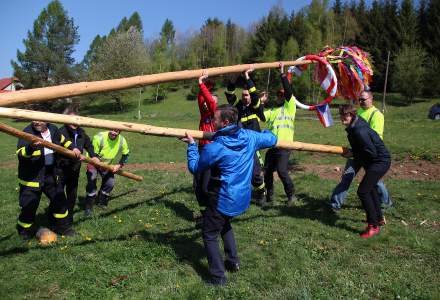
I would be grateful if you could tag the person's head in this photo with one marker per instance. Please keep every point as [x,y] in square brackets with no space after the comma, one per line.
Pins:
[39,126]
[225,115]
[246,97]
[280,97]
[112,134]
[366,99]
[71,112]
[347,114]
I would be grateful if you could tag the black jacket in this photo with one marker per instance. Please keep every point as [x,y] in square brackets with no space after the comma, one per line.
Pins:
[31,166]
[249,116]
[82,143]
[368,148]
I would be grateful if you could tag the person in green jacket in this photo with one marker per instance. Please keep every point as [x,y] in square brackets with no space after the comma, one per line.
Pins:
[107,146]
[375,119]
[280,120]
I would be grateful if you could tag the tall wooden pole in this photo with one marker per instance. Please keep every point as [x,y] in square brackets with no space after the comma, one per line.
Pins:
[385,85]
[146,129]
[33,139]
[83,88]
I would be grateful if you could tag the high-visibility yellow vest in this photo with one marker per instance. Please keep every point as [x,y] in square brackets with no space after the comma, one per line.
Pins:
[281,120]
[107,149]
[374,118]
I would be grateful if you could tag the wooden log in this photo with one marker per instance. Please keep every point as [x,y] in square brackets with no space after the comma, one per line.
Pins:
[84,88]
[69,153]
[146,129]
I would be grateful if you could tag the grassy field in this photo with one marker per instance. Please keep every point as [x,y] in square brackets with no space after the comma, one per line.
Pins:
[144,244]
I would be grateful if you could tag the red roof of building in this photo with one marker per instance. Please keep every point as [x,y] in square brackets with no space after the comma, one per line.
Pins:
[5,82]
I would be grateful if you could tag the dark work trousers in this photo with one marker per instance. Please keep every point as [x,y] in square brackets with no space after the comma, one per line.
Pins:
[29,200]
[257,177]
[68,181]
[108,181]
[368,195]
[278,160]
[215,224]
[200,185]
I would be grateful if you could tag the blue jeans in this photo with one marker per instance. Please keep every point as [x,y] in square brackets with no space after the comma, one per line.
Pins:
[340,192]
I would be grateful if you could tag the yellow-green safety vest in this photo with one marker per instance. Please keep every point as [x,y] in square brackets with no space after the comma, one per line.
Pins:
[374,118]
[281,120]
[107,149]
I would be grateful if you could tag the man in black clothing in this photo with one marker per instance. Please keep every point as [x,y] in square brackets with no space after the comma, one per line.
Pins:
[37,174]
[368,151]
[250,112]
[70,168]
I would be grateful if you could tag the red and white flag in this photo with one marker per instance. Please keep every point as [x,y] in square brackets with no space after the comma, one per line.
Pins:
[325,115]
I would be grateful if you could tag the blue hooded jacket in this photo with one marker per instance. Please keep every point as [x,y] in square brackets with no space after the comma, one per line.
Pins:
[232,153]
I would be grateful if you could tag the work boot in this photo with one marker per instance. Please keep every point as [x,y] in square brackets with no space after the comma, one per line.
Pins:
[88,205]
[102,200]
[260,198]
[63,227]
[26,234]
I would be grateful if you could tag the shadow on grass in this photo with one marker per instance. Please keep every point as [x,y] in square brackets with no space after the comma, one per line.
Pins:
[314,209]
[400,101]
[180,209]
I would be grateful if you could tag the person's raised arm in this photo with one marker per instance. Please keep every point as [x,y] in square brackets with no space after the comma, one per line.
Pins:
[286,85]
[207,96]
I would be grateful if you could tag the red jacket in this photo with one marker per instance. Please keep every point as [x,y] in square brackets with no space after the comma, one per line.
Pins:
[207,107]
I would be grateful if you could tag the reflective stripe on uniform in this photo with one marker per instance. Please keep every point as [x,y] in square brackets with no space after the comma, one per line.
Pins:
[230,92]
[61,216]
[260,187]
[252,89]
[29,183]
[62,139]
[236,102]
[23,152]
[24,225]
[257,105]
[67,144]
[283,126]
[250,117]
[36,153]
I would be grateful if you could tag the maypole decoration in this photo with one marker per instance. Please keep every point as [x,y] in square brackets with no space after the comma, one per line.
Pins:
[328,81]
[352,68]
[342,72]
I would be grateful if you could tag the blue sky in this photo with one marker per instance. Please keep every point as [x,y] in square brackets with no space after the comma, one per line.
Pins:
[98,17]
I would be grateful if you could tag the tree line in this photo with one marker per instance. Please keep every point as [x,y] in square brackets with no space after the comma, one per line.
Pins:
[409,32]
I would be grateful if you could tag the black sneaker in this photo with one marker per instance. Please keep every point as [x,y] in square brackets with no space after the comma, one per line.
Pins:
[232,267]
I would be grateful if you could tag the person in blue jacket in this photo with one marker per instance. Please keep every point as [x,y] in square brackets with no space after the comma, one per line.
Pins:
[231,158]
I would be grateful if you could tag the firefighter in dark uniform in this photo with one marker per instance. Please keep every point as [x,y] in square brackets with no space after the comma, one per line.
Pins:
[250,112]
[69,167]
[37,174]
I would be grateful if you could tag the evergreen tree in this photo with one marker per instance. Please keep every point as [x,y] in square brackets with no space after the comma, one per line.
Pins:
[47,58]
[408,23]
[409,71]
[433,28]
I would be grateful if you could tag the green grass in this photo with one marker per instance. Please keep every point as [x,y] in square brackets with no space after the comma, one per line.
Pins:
[144,244]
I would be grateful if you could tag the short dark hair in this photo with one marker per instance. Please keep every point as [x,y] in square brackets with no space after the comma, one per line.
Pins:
[70,110]
[347,109]
[228,112]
